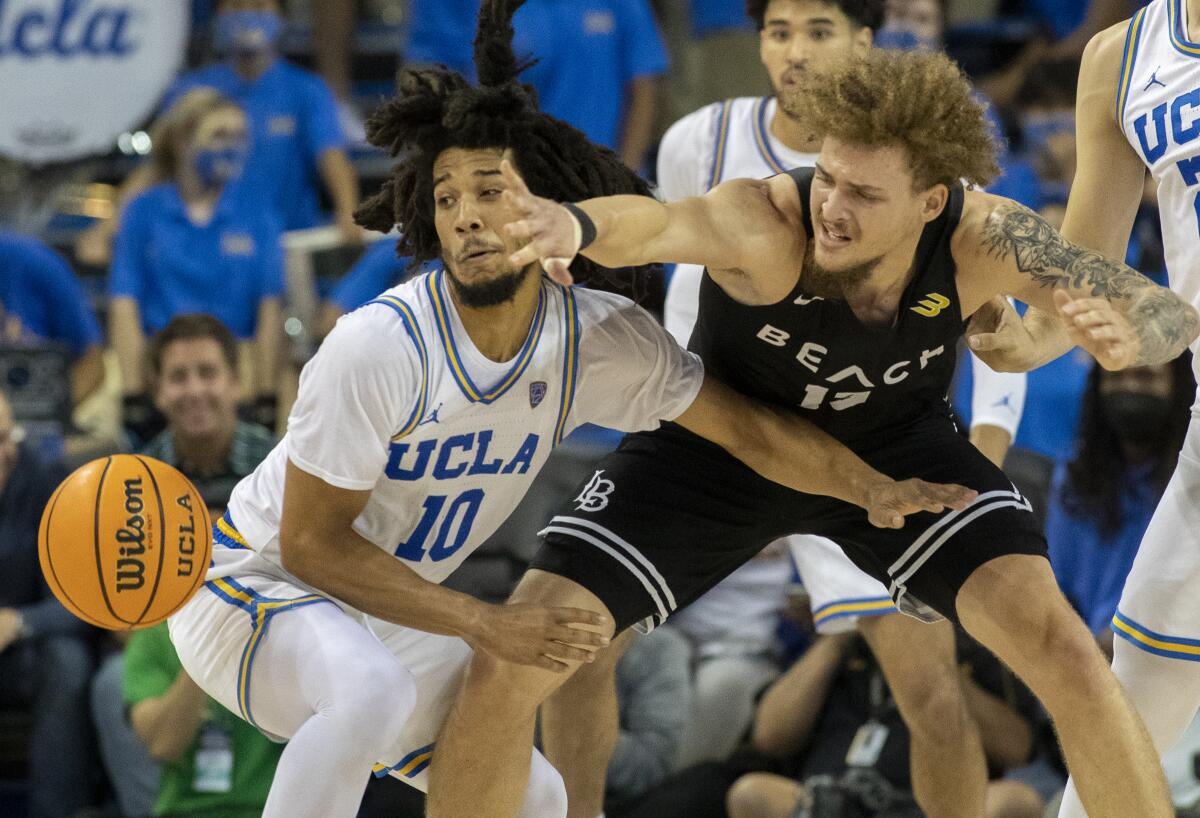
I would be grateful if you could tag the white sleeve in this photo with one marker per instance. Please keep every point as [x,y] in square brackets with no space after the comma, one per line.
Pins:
[998,398]
[685,155]
[683,301]
[632,374]
[355,394]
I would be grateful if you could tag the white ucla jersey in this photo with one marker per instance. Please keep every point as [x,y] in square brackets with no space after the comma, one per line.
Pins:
[398,401]
[1158,109]
[722,141]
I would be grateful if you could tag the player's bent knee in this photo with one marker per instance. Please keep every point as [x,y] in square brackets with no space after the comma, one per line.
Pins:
[935,708]
[517,686]
[546,796]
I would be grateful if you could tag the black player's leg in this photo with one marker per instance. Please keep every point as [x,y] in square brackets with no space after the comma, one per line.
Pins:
[919,661]
[1014,607]
[985,565]
[635,544]
[488,735]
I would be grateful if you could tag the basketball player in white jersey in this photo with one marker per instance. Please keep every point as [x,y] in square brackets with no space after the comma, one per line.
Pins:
[420,424]
[753,137]
[1139,108]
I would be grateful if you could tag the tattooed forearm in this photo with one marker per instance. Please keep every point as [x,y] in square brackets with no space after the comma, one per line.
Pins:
[1165,325]
[1016,232]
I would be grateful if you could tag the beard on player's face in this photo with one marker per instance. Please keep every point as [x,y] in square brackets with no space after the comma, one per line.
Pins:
[488,290]
[834,282]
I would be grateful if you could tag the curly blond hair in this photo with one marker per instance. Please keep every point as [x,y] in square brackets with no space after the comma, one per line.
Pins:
[917,100]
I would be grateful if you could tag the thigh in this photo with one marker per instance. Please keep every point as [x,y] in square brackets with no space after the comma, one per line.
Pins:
[659,522]
[839,592]
[225,640]
[437,664]
[1160,606]
[926,562]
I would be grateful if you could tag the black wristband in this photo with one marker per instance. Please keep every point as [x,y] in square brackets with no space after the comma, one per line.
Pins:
[587,227]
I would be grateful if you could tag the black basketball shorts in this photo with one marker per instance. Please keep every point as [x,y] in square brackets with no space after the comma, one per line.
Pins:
[668,515]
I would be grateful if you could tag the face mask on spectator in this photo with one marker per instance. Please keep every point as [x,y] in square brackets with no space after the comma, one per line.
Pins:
[218,166]
[246,33]
[1135,416]
[903,39]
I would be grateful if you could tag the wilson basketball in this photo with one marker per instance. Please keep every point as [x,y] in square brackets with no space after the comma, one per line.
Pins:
[125,541]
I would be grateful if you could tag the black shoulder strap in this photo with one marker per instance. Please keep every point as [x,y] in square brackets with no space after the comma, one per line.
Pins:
[803,177]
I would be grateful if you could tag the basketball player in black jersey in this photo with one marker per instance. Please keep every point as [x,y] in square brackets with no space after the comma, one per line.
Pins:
[838,292]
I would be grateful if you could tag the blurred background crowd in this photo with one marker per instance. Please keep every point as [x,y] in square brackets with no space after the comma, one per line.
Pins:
[162,295]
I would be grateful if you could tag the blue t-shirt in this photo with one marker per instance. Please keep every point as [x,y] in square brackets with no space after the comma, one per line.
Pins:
[378,269]
[170,266]
[40,290]
[442,31]
[1091,568]
[712,16]
[588,52]
[293,120]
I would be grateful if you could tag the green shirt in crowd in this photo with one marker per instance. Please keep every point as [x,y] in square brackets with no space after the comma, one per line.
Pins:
[227,769]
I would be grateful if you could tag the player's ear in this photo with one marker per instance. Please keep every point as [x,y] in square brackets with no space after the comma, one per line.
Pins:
[933,201]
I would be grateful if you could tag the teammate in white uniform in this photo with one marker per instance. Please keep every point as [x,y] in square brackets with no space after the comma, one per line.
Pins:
[1139,108]
[420,424]
[751,137]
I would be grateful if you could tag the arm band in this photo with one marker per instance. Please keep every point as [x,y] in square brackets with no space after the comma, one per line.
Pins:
[587,227]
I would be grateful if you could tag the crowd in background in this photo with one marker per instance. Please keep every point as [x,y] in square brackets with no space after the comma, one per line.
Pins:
[177,326]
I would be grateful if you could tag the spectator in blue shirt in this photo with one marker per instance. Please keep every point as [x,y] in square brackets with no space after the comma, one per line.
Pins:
[297,142]
[46,656]
[1131,428]
[196,243]
[41,300]
[598,61]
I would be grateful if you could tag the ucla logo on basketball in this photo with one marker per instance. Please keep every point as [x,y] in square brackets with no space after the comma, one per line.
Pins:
[131,569]
[67,28]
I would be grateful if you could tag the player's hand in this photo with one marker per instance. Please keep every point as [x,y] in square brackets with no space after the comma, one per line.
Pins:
[548,638]
[999,338]
[889,503]
[553,233]
[1099,329]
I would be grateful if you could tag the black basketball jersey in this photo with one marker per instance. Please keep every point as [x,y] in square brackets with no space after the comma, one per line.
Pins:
[812,353]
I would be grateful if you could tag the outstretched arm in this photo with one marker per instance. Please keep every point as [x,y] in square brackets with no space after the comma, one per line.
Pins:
[724,230]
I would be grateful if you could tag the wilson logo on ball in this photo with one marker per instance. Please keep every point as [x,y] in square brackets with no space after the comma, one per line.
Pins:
[124,542]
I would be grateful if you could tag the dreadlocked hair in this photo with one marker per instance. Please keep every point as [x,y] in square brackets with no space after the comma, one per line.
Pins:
[436,109]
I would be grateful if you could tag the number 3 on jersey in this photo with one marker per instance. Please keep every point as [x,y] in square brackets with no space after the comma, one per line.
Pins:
[459,518]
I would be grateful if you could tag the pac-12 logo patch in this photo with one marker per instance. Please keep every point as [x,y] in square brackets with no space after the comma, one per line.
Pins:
[595,494]
[537,391]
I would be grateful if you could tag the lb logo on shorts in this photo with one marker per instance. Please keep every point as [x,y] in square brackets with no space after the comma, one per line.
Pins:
[595,494]
[931,305]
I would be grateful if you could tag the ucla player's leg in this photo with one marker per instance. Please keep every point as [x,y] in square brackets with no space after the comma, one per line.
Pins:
[919,660]
[579,725]
[481,767]
[1156,655]
[299,668]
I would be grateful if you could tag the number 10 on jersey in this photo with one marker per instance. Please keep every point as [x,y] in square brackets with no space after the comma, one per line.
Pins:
[452,531]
